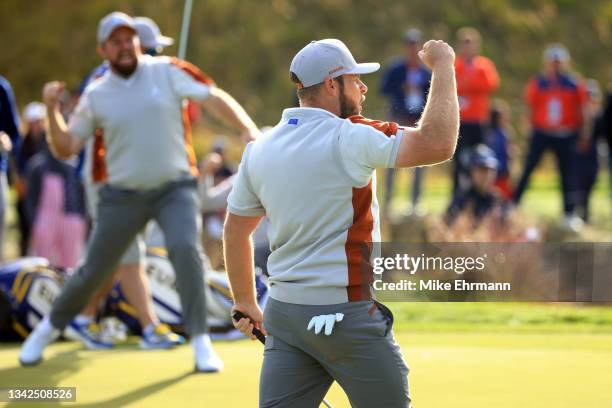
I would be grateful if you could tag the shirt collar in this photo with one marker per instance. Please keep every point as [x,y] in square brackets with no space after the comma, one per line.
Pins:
[306,113]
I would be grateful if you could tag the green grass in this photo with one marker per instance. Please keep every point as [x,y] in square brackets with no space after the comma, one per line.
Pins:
[459,370]
[502,317]
[461,355]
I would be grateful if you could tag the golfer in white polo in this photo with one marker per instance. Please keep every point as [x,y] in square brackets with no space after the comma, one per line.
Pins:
[313,177]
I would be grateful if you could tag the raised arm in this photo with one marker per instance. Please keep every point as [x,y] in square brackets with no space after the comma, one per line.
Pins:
[63,144]
[231,112]
[435,137]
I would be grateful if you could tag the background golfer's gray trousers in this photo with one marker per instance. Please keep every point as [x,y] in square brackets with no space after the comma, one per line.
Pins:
[121,215]
[361,354]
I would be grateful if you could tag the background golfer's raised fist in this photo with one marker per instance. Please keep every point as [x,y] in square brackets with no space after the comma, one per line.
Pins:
[436,52]
[52,91]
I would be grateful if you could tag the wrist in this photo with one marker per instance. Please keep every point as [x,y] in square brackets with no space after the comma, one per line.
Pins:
[52,108]
[444,65]
[244,297]
[242,303]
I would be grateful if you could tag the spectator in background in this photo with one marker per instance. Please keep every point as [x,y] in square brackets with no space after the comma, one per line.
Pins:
[557,103]
[482,198]
[607,128]
[477,79]
[9,142]
[224,169]
[497,140]
[405,84]
[34,142]
[56,206]
[587,160]
[216,172]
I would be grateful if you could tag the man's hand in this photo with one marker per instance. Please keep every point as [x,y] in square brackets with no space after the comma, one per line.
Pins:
[212,162]
[317,322]
[5,143]
[436,52]
[246,325]
[52,92]
[435,137]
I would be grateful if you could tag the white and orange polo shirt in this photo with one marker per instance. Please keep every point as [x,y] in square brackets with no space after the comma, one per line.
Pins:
[138,126]
[313,176]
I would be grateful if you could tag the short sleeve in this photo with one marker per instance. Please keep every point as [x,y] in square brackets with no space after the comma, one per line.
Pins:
[81,123]
[364,149]
[188,81]
[242,199]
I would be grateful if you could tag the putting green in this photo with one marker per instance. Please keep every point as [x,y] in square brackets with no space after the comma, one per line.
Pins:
[447,370]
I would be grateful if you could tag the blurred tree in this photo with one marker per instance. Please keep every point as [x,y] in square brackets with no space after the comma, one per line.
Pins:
[247,45]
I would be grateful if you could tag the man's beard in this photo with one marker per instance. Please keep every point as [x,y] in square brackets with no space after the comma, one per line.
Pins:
[346,109]
[123,70]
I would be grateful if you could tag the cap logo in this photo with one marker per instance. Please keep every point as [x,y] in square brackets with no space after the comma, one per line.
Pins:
[341,67]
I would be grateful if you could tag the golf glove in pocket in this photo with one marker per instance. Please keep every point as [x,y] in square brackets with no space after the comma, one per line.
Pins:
[317,322]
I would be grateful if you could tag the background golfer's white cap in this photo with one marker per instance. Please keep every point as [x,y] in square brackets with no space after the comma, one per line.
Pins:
[328,58]
[556,52]
[111,22]
[34,111]
[150,35]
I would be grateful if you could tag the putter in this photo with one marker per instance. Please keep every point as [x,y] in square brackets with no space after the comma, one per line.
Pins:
[237,315]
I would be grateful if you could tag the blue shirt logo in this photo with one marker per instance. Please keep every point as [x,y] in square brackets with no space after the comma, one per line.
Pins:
[293,121]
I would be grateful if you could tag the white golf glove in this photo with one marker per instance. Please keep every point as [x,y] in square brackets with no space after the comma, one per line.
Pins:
[325,320]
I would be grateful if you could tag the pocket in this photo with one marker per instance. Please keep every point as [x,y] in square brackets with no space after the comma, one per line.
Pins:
[386,314]
[269,344]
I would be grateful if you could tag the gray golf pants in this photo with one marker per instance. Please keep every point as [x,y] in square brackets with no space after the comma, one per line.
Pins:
[361,354]
[121,215]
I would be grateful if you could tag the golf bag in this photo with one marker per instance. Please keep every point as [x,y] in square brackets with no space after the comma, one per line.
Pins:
[166,300]
[28,287]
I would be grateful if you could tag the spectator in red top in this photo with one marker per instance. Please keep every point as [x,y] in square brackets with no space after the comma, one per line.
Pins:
[477,79]
[557,103]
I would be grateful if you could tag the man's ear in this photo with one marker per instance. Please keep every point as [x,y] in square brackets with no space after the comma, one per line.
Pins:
[330,86]
[101,52]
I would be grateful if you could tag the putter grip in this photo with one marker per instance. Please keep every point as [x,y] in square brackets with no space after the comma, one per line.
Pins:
[237,315]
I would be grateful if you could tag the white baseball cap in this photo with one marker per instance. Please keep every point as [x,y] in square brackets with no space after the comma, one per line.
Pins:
[111,22]
[328,58]
[556,52]
[34,111]
[150,34]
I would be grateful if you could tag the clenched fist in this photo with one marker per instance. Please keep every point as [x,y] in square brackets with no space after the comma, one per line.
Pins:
[436,52]
[52,91]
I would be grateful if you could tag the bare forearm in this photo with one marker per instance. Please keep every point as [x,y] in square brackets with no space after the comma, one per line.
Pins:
[238,252]
[439,123]
[59,139]
[435,137]
[229,110]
